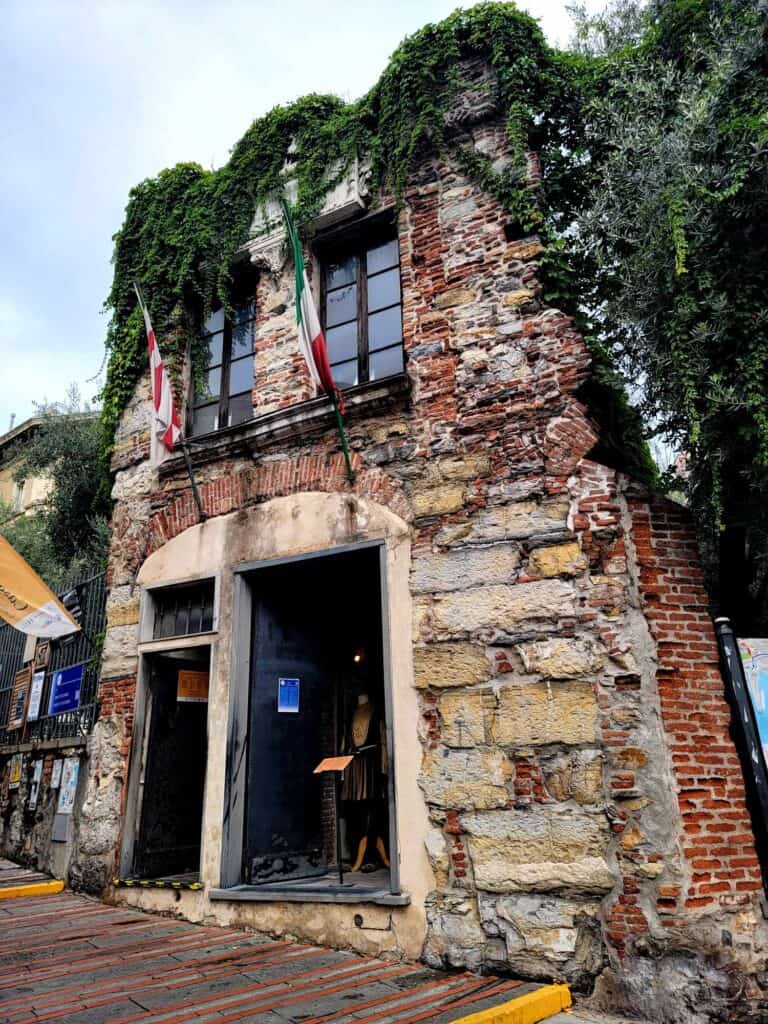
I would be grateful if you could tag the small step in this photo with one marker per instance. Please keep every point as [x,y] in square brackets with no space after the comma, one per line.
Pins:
[17,882]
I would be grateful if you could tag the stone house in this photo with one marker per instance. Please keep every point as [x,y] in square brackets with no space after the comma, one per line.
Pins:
[23,496]
[510,638]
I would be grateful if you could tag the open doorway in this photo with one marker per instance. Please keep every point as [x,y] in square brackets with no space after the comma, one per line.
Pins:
[318,690]
[172,780]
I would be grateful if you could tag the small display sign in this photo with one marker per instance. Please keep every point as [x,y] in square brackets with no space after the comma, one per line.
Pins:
[17,708]
[288,695]
[14,772]
[68,789]
[65,689]
[34,788]
[35,696]
[58,764]
[192,687]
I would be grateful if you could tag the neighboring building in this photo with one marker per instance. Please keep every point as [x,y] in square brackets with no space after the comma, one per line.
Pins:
[26,496]
[512,638]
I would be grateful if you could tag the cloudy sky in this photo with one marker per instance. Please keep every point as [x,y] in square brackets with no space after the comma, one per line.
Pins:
[100,95]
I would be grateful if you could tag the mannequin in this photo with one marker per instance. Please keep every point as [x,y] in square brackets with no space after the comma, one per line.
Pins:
[363,780]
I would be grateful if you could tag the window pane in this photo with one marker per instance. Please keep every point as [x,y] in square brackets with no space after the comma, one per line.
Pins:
[215,322]
[240,408]
[243,311]
[385,328]
[205,419]
[341,305]
[342,342]
[241,375]
[345,374]
[384,289]
[242,340]
[211,385]
[215,343]
[344,272]
[382,256]
[384,364]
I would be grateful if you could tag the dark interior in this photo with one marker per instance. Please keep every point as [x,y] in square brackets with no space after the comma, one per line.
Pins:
[317,621]
[174,772]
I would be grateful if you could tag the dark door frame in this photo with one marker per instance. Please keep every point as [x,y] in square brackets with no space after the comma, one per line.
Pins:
[233,830]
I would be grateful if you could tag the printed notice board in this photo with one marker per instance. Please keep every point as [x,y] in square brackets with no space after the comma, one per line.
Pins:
[58,764]
[192,687]
[17,708]
[34,788]
[35,696]
[68,790]
[754,655]
[14,772]
[288,695]
[65,689]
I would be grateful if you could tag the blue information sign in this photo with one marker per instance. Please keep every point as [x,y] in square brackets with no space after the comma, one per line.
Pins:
[288,695]
[65,689]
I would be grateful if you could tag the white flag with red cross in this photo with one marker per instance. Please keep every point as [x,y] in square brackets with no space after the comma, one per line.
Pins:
[166,426]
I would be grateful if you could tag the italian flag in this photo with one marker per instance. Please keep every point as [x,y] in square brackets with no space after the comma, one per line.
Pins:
[311,340]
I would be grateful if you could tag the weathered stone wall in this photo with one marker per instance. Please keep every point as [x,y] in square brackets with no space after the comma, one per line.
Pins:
[577,770]
[26,833]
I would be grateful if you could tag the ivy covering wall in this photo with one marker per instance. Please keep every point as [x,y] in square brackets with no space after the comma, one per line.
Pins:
[183,228]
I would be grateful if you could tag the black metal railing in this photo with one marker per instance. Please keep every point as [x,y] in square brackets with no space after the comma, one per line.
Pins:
[83,649]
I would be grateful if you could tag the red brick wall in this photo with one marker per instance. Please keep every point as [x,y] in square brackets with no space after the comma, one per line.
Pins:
[718,844]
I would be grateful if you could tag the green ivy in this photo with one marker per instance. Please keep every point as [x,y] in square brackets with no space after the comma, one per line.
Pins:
[183,228]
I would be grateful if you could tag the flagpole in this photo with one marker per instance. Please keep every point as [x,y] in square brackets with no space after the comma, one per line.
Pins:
[192,480]
[342,434]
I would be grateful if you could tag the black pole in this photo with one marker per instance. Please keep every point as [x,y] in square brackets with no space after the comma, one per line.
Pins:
[338,827]
[196,493]
[753,761]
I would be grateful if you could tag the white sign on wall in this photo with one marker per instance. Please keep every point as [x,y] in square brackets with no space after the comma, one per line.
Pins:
[34,788]
[58,764]
[35,696]
[69,776]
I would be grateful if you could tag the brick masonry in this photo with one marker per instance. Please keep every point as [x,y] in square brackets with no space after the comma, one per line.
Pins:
[586,807]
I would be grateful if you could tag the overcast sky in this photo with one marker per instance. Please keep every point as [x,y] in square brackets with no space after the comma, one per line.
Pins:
[98,96]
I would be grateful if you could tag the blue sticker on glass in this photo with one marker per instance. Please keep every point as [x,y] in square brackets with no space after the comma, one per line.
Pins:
[288,695]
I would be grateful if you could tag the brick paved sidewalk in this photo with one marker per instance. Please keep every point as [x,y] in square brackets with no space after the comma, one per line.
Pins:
[71,959]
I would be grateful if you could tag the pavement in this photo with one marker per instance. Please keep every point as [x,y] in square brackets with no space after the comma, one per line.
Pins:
[72,959]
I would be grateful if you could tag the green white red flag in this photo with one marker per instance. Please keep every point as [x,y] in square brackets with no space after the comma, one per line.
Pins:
[311,339]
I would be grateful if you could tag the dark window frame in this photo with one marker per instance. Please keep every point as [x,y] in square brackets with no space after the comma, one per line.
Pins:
[222,404]
[358,242]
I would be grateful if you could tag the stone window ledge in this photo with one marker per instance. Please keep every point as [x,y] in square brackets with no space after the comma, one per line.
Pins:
[299,894]
[291,424]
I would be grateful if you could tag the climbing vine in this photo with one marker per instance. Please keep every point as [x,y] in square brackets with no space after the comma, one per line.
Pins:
[183,228]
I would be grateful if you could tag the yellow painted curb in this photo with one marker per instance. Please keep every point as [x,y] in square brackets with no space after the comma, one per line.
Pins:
[14,892]
[525,1009]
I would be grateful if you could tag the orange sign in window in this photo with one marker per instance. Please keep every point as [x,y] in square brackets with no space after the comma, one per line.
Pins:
[192,687]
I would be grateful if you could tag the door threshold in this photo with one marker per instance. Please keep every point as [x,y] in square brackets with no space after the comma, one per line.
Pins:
[285,892]
[190,881]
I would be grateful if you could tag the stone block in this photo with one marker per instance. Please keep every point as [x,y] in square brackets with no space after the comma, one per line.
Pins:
[449,664]
[561,657]
[439,857]
[542,850]
[463,715]
[528,714]
[123,613]
[466,779]
[465,567]
[543,934]
[557,560]
[454,297]
[464,467]
[575,775]
[120,656]
[437,501]
[514,521]
[518,298]
[455,937]
[500,607]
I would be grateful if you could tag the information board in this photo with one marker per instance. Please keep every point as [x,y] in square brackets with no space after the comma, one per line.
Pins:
[35,696]
[65,689]
[34,788]
[288,695]
[68,790]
